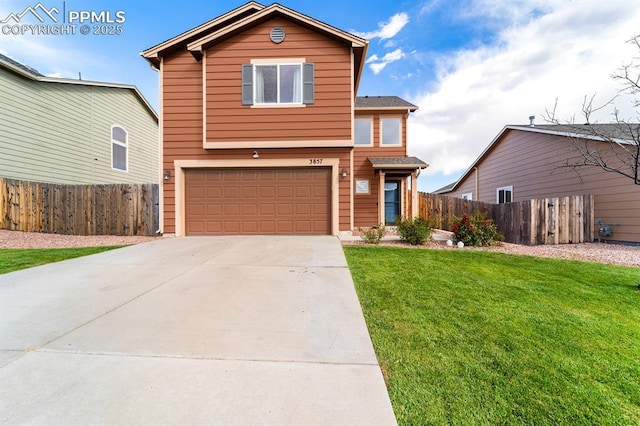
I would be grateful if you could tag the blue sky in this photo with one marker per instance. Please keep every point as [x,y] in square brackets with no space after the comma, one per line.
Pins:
[472,66]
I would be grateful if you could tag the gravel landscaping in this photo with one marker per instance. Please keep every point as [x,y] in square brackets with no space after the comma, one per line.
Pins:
[594,252]
[615,254]
[23,240]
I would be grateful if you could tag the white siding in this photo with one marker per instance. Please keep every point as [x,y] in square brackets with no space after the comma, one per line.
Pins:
[61,133]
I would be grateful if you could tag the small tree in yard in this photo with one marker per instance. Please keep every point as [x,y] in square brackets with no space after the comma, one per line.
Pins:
[614,149]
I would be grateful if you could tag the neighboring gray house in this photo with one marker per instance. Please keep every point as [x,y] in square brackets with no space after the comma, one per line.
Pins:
[68,131]
[524,162]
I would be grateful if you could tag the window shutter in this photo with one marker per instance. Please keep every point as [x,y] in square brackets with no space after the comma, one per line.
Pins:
[307,83]
[247,84]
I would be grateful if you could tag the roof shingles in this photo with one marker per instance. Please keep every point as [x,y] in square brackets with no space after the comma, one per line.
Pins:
[398,163]
[383,102]
[17,64]
[628,131]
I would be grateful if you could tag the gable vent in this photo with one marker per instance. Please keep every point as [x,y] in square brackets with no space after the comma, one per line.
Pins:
[277,35]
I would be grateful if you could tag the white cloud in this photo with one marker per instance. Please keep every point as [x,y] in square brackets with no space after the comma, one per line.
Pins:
[393,56]
[377,67]
[387,30]
[372,58]
[429,6]
[567,52]
[377,64]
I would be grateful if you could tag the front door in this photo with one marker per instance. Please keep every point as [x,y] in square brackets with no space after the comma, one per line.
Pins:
[391,201]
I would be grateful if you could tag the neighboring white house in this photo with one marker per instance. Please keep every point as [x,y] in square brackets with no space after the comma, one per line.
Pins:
[74,131]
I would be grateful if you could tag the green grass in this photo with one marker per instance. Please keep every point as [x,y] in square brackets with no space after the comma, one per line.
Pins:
[16,259]
[470,337]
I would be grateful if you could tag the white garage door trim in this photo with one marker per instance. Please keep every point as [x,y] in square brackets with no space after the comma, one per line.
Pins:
[182,165]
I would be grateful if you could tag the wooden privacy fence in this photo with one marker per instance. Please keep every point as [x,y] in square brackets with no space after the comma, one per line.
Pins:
[559,220]
[115,209]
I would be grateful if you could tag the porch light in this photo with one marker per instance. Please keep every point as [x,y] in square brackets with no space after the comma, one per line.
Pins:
[344,173]
[166,175]
[255,154]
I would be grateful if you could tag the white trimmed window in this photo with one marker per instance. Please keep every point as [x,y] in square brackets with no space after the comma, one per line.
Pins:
[363,128]
[467,196]
[390,132]
[279,83]
[504,194]
[119,148]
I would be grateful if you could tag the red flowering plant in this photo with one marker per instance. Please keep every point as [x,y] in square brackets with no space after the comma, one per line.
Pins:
[476,229]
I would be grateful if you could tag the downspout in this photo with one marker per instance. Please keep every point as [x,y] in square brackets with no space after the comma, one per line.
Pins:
[477,193]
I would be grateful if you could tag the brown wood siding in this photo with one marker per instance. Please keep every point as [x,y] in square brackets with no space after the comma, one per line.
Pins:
[329,118]
[529,162]
[182,119]
[194,151]
[284,201]
[366,205]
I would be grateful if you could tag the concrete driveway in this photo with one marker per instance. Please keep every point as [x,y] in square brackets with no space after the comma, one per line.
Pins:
[197,330]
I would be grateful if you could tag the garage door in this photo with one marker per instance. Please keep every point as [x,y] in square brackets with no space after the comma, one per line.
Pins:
[258,201]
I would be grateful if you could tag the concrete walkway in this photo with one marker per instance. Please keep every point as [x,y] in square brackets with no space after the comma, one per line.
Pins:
[198,330]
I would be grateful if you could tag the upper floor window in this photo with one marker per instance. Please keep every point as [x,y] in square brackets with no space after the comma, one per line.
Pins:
[362,129]
[278,83]
[504,194]
[390,131]
[119,147]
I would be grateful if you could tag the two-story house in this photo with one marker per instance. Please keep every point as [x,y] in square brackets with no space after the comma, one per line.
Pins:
[72,131]
[262,133]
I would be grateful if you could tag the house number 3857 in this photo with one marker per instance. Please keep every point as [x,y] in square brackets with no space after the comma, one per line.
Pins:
[315,161]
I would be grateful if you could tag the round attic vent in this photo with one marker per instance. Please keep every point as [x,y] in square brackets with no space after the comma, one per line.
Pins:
[277,35]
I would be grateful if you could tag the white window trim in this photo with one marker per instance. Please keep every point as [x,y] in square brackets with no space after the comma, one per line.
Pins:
[503,188]
[125,145]
[382,119]
[370,144]
[277,62]
[467,196]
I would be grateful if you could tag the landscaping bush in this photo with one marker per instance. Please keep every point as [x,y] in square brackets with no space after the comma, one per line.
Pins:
[414,232]
[373,235]
[476,230]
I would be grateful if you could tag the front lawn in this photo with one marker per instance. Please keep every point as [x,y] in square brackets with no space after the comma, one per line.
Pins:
[15,259]
[470,337]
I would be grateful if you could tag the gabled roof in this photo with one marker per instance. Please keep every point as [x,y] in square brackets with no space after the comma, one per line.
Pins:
[267,13]
[218,29]
[154,53]
[397,163]
[32,74]
[446,188]
[383,102]
[617,132]
[17,66]
[623,133]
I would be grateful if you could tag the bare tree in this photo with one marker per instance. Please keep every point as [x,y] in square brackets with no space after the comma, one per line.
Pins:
[629,74]
[613,147]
